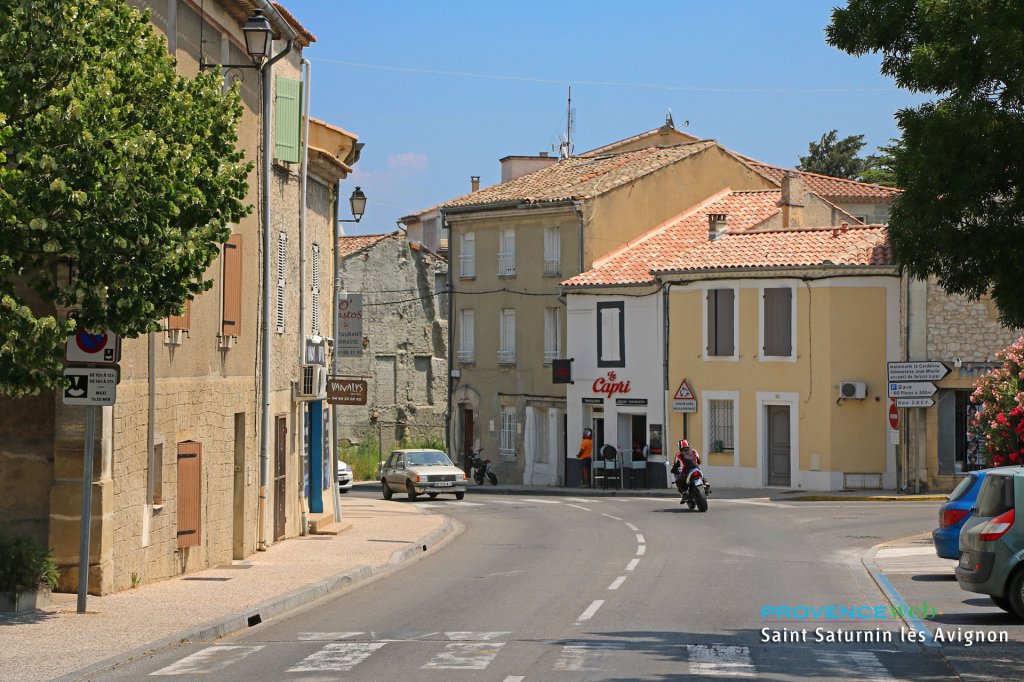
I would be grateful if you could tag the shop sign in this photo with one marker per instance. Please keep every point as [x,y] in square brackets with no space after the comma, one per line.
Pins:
[609,385]
[631,401]
[593,401]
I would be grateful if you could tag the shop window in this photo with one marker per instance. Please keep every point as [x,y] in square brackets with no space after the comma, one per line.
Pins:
[958,452]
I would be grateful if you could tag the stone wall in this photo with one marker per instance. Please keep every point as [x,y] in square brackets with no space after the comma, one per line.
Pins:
[960,328]
[406,343]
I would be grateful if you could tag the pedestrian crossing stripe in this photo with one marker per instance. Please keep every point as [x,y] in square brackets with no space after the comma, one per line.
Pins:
[704,660]
[336,656]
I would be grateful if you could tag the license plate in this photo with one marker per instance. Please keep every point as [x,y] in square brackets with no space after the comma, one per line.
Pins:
[445,483]
[965,560]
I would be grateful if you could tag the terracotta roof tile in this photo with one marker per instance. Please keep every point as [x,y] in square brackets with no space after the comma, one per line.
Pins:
[835,189]
[580,177]
[349,245]
[682,244]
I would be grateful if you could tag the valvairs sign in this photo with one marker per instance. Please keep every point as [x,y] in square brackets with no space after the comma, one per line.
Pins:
[343,391]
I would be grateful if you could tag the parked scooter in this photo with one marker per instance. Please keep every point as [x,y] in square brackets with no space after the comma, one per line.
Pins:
[695,490]
[481,468]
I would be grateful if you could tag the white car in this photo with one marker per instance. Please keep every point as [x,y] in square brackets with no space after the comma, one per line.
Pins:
[344,477]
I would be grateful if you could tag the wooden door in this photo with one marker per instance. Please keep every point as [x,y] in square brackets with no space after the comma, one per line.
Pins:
[280,469]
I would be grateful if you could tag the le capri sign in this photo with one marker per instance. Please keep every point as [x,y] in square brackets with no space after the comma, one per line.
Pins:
[609,385]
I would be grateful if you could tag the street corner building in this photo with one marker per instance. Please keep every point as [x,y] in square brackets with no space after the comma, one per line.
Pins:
[187,476]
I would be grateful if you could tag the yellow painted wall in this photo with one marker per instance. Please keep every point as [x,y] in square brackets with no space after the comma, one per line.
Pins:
[840,336]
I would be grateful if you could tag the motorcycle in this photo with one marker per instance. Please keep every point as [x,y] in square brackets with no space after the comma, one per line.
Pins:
[695,490]
[481,468]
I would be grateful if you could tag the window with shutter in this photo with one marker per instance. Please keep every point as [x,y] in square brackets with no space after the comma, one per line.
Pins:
[287,119]
[507,254]
[180,322]
[467,337]
[231,324]
[507,350]
[611,334]
[467,256]
[721,304]
[552,334]
[190,500]
[315,316]
[507,449]
[552,251]
[778,322]
[282,264]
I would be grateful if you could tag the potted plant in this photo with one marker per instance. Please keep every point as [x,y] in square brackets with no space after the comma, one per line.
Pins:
[27,573]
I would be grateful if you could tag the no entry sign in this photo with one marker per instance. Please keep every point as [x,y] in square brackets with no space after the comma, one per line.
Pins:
[894,414]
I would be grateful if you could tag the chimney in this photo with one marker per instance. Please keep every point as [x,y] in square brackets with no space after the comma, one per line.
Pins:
[792,202]
[513,167]
[716,225]
[474,183]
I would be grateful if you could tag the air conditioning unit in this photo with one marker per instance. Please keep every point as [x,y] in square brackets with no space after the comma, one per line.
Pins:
[313,384]
[852,390]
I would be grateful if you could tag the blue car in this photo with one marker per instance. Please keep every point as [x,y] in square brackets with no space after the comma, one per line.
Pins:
[953,514]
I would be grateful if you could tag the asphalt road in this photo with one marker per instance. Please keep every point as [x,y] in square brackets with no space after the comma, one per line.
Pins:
[562,588]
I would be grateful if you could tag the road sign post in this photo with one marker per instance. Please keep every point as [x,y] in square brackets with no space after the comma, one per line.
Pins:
[83,538]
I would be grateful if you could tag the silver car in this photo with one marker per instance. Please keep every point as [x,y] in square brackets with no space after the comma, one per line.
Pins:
[416,472]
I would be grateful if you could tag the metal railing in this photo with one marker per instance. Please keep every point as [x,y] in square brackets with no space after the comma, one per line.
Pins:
[467,267]
[506,265]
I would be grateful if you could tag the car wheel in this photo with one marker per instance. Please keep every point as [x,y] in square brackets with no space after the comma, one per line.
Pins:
[1015,593]
[411,490]
[387,488]
[1001,602]
[459,496]
[432,495]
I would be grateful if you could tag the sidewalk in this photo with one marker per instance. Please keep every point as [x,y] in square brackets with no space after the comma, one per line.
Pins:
[201,606]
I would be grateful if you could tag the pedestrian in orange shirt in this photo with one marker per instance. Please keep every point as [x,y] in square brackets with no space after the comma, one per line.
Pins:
[585,454]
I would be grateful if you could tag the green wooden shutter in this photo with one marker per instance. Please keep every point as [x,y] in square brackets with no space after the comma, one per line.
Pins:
[287,119]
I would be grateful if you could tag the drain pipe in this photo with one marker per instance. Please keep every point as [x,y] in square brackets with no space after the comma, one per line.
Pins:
[451,349]
[578,207]
[267,91]
[303,176]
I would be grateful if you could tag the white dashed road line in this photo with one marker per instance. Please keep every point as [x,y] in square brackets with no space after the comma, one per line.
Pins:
[325,636]
[632,564]
[530,499]
[617,582]
[616,518]
[591,610]
[465,656]
[632,528]
[641,550]
[577,507]
[640,539]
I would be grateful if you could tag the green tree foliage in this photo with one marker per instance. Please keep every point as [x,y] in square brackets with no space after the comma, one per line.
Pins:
[118,179]
[835,157]
[880,168]
[960,162]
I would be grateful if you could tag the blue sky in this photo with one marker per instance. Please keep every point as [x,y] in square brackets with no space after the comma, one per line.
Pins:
[440,91]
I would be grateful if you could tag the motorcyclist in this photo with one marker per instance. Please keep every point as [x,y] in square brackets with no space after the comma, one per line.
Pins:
[687,459]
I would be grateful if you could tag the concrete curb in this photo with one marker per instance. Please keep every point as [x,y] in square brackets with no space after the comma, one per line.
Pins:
[868,498]
[893,596]
[275,606]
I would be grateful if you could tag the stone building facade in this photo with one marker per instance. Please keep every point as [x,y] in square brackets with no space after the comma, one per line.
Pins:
[405,340]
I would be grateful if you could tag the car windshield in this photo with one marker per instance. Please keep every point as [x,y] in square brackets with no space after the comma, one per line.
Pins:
[420,459]
[961,489]
[996,495]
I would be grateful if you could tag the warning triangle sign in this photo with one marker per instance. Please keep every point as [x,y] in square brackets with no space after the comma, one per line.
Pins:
[684,392]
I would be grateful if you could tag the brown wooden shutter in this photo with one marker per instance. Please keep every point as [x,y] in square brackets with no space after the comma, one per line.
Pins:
[183,321]
[232,322]
[190,493]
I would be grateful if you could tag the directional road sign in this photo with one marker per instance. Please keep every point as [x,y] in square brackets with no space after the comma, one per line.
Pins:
[913,389]
[914,402]
[916,371]
[90,385]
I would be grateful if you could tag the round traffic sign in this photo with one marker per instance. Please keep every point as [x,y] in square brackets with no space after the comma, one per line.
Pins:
[90,343]
[894,415]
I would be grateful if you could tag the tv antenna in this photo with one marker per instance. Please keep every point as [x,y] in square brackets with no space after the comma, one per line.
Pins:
[565,148]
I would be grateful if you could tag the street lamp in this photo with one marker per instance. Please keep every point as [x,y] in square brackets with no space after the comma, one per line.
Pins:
[357,202]
[258,38]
